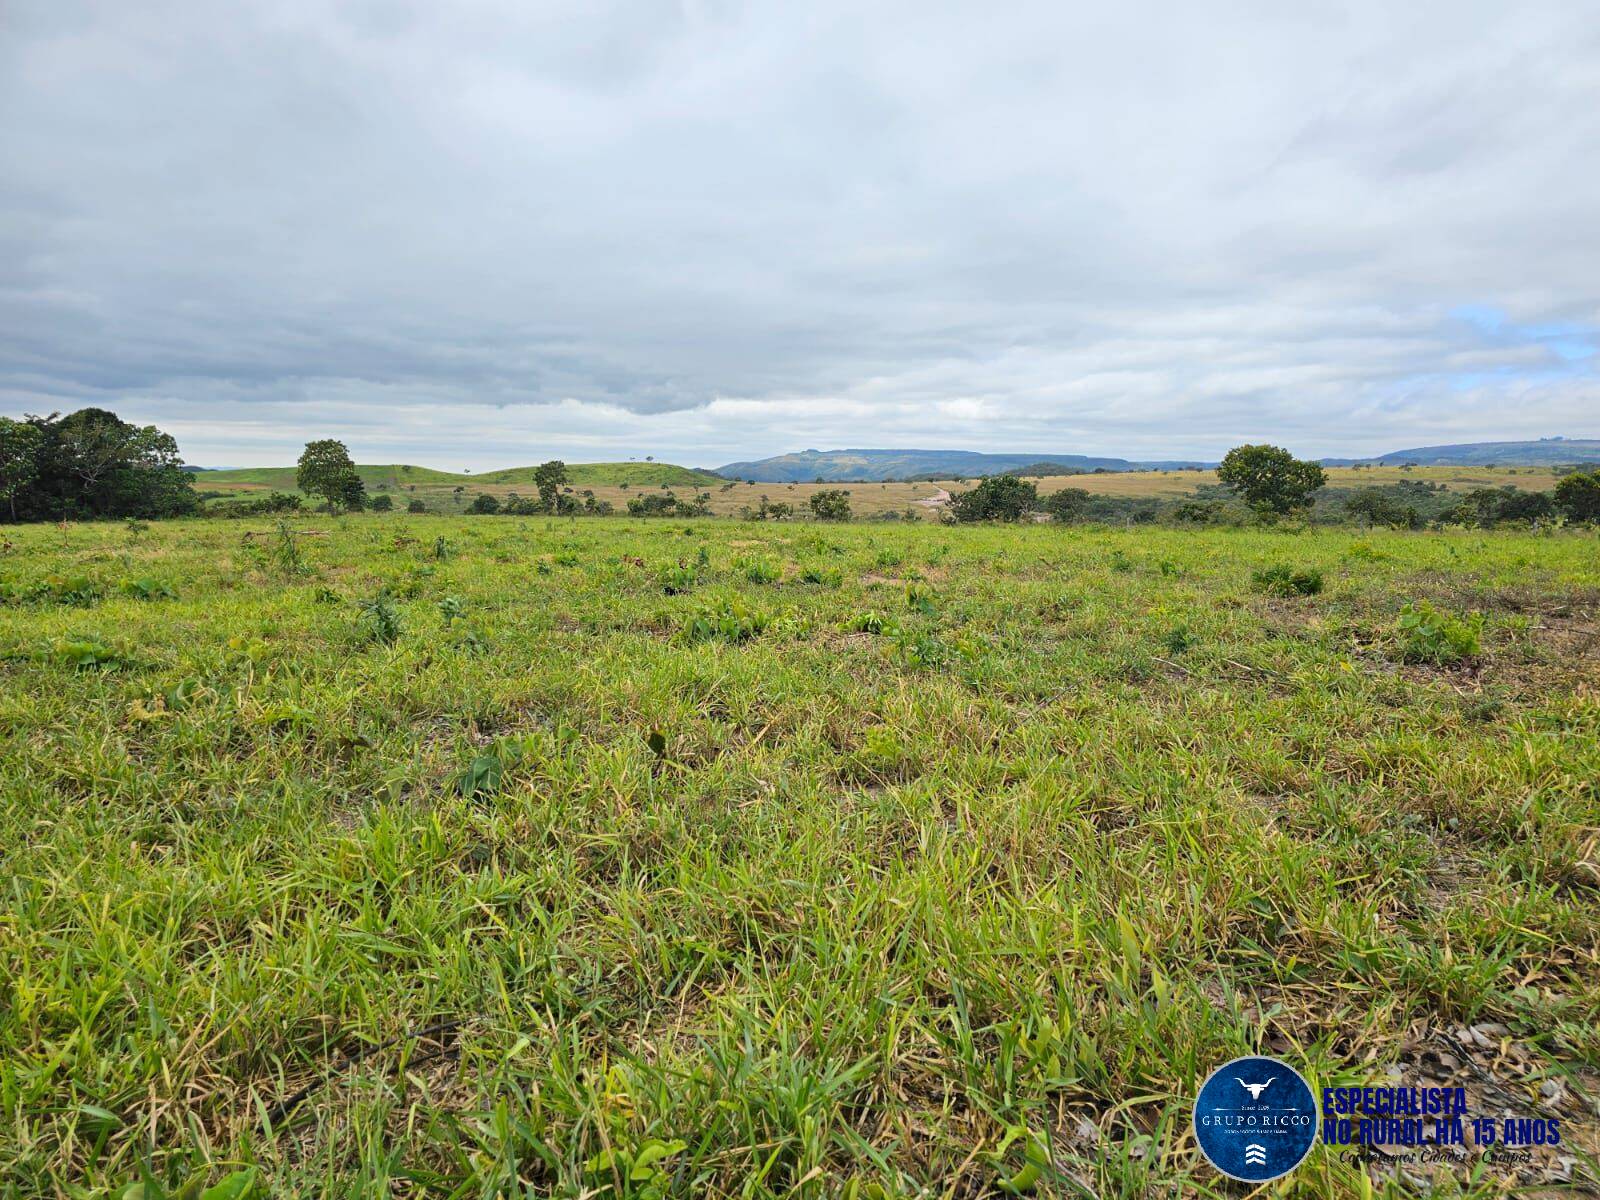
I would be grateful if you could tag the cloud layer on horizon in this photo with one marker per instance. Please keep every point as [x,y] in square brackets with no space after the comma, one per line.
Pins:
[475,234]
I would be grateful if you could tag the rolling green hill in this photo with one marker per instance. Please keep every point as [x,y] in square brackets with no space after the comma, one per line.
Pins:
[395,477]
[634,474]
[844,466]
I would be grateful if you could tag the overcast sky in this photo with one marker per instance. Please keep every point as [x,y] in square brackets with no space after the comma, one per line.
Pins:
[482,234]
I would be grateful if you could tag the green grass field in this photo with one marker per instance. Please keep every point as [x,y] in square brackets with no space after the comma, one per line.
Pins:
[615,858]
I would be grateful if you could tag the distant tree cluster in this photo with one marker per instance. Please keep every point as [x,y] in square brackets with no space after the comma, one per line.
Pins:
[657,504]
[555,499]
[1487,507]
[87,465]
[767,510]
[258,506]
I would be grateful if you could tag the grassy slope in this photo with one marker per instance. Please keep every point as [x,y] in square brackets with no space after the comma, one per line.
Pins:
[1102,820]
[399,476]
[637,474]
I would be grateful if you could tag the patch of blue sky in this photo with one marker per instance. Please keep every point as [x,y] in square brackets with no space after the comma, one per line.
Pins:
[1568,341]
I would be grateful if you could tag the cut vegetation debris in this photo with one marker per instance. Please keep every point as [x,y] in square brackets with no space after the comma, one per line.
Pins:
[462,857]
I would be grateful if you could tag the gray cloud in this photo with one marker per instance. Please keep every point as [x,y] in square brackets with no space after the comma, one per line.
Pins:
[472,233]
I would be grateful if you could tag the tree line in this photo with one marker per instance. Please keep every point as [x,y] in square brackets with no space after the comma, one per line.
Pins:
[1262,483]
[90,464]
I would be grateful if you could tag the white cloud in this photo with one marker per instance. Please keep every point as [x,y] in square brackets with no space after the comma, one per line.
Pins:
[472,234]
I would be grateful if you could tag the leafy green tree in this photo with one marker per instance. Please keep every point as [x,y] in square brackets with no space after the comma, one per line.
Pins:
[381,503]
[485,503]
[831,504]
[1578,496]
[416,506]
[548,478]
[997,498]
[1378,507]
[93,464]
[1487,507]
[327,470]
[19,465]
[1270,478]
[516,506]
[652,505]
[1067,504]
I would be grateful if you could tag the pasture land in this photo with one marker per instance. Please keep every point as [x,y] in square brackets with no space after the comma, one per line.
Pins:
[610,857]
[438,489]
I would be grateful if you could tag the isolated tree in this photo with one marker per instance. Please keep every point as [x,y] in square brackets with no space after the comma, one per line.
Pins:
[831,504]
[382,503]
[416,506]
[326,470]
[1270,478]
[485,503]
[548,478]
[997,498]
[19,466]
[1578,496]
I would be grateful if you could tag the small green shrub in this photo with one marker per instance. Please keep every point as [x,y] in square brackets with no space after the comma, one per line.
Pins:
[146,588]
[830,577]
[920,599]
[920,648]
[84,653]
[759,570]
[77,590]
[869,622]
[286,551]
[381,618]
[678,578]
[728,621]
[1178,639]
[1429,634]
[1282,580]
[482,776]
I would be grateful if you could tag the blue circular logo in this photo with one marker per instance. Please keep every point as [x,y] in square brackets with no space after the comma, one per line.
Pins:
[1255,1119]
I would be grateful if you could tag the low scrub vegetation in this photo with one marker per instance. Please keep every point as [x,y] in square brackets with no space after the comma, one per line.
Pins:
[1431,635]
[1282,580]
